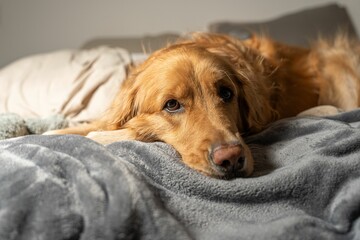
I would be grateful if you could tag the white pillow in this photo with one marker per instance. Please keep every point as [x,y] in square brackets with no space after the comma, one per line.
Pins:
[79,84]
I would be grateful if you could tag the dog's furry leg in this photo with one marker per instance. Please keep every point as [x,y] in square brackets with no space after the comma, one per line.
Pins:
[107,137]
[142,128]
[82,130]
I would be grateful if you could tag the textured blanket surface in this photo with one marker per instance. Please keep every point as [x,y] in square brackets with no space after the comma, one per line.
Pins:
[306,185]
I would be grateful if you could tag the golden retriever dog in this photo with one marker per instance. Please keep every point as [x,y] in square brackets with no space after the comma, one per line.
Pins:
[204,94]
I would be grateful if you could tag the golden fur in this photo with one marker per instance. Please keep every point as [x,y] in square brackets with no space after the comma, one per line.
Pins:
[202,95]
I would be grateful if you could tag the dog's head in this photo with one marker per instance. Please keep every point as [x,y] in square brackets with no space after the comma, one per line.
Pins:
[201,96]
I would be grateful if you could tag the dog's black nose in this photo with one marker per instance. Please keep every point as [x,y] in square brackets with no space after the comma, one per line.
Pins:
[229,159]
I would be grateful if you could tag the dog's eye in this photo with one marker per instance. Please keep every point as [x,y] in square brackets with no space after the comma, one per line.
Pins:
[172,106]
[226,94]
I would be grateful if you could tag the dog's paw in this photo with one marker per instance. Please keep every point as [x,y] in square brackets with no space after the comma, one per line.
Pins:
[321,111]
[107,137]
[52,132]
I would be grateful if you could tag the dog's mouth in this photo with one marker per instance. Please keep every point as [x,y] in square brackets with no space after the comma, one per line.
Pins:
[241,169]
[225,175]
[229,173]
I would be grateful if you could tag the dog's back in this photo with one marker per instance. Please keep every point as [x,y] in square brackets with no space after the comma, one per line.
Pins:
[327,73]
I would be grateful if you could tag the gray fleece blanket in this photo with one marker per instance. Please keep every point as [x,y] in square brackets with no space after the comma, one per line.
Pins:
[306,185]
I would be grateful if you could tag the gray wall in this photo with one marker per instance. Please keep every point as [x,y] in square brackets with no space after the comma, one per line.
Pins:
[36,26]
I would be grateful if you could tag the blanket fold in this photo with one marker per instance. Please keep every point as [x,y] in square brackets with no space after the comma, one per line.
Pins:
[12,125]
[306,185]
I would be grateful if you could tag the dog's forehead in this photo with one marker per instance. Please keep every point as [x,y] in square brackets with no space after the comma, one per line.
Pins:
[188,65]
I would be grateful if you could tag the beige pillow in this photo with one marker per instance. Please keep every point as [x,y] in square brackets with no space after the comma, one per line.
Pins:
[78,84]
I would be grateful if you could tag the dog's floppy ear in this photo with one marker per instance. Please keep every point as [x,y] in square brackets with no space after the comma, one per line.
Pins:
[254,103]
[253,74]
[123,108]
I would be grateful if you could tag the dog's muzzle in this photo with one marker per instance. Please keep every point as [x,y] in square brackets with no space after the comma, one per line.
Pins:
[228,160]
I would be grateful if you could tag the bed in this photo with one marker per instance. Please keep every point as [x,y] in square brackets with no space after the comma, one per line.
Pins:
[306,183]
